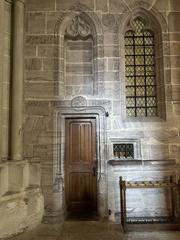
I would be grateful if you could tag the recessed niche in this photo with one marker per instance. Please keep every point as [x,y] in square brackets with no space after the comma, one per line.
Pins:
[125,149]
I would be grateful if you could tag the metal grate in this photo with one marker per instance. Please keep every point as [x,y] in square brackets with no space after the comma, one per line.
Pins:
[140,71]
[123,150]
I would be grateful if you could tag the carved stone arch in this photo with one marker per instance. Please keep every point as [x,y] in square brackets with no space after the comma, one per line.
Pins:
[92,20]
[156,23]
[153,18]
[148,8]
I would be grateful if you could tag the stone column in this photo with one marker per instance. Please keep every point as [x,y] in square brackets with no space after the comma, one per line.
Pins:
[17,81]
[1,62]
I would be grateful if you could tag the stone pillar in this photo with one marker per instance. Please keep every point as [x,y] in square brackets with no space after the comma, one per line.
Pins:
[1,63]
[17,81]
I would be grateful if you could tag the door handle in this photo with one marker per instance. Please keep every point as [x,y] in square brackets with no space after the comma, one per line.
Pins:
[94,171]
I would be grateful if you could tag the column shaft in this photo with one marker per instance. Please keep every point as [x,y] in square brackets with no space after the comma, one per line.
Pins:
[17,81]
[1,63]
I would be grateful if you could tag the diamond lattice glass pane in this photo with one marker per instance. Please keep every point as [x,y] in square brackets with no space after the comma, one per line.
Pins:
[129,34]
[130,112]
[129,71]
[139,50]
[140,81]
[140,71]
[140,102]
[130,102]
[129,81]
[151,101]
[138,25]
[129,60]
[150,91]
[151,112]
[139,41]
[149,50]
[141,112]
[139,60]
[129,50]
[150,80]
[149,40]
[148,33]
[149,60]
[150,70]
[129,41]
[130,91]
[140,91]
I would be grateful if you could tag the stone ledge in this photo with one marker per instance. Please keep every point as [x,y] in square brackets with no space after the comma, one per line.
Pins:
[12,195]
[153,163]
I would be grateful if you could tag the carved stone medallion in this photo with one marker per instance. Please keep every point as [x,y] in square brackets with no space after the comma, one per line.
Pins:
[79,102]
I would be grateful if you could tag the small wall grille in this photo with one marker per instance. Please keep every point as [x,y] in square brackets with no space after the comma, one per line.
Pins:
[123,151]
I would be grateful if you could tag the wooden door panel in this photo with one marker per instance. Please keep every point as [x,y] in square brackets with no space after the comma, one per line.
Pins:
[80,186]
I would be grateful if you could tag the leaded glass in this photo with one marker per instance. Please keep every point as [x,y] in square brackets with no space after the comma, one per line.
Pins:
[140,71]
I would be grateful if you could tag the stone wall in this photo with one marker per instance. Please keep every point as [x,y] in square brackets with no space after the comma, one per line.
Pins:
[45,84]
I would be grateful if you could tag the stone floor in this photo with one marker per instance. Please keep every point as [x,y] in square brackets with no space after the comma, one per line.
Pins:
[91,230]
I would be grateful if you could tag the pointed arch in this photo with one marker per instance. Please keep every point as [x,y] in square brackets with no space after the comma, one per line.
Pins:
[93,22]
[156,23]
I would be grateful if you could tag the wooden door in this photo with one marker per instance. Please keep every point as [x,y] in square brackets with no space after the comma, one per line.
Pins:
[80,165]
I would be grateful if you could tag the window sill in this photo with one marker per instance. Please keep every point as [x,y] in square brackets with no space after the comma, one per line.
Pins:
[153,163]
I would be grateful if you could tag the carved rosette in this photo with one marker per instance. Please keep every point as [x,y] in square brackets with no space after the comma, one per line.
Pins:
[78,28]
[79,102]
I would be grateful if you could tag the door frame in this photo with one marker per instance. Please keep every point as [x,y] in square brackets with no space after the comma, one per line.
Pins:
[99,114]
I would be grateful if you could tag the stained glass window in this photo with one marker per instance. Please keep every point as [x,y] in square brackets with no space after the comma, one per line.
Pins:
[140,71]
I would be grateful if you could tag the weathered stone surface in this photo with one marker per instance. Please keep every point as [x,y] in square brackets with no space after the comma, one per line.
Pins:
[40,5]
[37,108]
[175,76]
[116,6]
[79,68]
[174,5]
[50,64]
[39,90]
[52,21]
[30,51]
[41,76]
[101,5]
[47,51]
[161,5]
[41,39]
[111,51]
[176,107]
[65,5]
[173,21]
[33,64]
[159,152]
[78,79]
[36,23]
[111,38]
[176,92]
[21,212]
